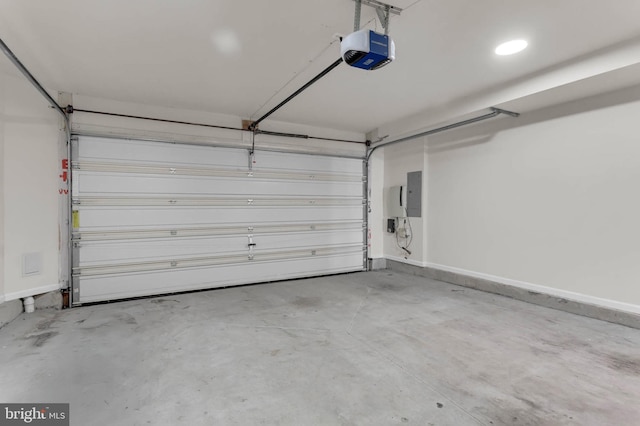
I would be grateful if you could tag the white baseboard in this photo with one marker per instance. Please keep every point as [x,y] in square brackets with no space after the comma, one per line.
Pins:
[408,261]
[550,291]
[2,299]
[569,295]
[31,292]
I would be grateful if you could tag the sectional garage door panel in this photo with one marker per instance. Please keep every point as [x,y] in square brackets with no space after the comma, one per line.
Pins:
[151,218]
[107,252]
[91,218]
[115,286]
[101,150]
[127,184]
[308,164]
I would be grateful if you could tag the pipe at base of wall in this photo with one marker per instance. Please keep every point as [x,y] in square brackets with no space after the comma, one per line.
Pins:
[28,304]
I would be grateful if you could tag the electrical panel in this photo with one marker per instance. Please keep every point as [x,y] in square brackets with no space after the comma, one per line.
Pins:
[414,194]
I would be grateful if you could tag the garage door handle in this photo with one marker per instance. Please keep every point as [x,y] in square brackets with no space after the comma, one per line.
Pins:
[251,246]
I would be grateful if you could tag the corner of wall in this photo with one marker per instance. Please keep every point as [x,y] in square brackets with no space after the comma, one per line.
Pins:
[425,203]
[2,120]
[398,161]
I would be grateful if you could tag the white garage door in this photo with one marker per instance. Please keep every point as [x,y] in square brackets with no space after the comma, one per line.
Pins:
[152,218]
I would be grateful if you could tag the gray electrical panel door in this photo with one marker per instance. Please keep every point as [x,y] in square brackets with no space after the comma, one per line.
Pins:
[414,194]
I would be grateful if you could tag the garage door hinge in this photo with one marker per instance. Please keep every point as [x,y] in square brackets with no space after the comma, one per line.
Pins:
[249,201]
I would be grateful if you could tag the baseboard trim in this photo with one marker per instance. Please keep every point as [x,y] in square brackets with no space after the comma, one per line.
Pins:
[576,303]
[31,292]
[407,261]
[569,295]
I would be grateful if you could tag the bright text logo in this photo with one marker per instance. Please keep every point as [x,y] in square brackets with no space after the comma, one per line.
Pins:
[34,414]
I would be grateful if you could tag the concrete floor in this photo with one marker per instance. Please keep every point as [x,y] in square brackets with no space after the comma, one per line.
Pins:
[375,348]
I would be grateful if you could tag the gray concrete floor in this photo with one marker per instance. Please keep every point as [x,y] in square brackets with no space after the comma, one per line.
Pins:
[375,348]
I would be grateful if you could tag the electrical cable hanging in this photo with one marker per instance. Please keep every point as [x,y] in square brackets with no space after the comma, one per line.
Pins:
[407,237]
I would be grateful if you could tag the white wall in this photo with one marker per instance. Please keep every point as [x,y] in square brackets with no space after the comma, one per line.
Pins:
[2,120]
[30,187]
[549,199]
[398,161]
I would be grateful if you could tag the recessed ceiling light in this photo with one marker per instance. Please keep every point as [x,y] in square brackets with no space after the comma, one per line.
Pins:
[511,47]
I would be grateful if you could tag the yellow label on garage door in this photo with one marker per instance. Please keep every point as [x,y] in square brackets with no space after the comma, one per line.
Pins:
[75,219]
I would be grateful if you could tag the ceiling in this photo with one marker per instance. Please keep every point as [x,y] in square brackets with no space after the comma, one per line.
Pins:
[242,57]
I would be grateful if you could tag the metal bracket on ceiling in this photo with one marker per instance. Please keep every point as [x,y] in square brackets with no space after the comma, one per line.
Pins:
[504,111]
[384,18]
[383,10]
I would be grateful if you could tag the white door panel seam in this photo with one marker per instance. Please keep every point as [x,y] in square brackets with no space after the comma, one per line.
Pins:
[175,170]
[178,233]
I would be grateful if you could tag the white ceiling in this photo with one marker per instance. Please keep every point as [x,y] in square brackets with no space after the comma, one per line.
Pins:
[242,57]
